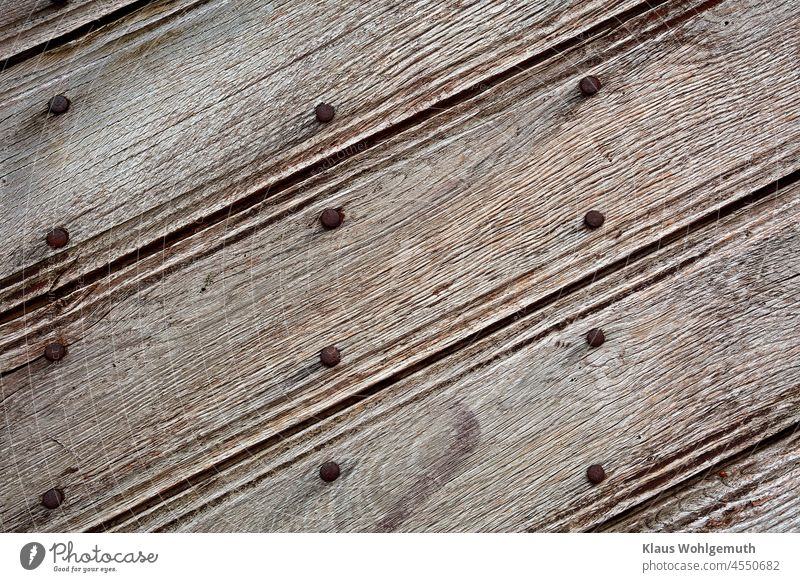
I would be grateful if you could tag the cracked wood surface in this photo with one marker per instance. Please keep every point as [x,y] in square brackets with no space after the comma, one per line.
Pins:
[26,25]
[699,365]
[193,358]
[755,492]
[179,114]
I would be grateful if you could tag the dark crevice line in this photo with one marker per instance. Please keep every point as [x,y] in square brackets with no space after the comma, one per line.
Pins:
[674,237]
[764,443]
[75,34]
[727,440]
[251,202]
[677,235]
[651,479]
[13,370]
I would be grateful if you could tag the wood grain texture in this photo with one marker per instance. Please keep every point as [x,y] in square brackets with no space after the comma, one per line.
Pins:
[27,24]
[207,350]
[756,492]
[177,113]
[699,364]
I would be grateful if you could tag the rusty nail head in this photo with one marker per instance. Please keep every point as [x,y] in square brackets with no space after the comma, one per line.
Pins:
[55,351]
[595,337]
[590,85]
[324,112]
[595,474]
[53,498]
[594,219]
[331,218]
[329,471]
[58,105]
[58,237]
[330,356]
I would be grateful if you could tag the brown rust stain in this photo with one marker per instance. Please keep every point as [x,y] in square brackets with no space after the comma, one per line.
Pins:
[444,467]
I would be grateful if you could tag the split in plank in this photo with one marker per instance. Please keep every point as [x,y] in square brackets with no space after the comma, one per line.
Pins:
[179,117]
[699,365]
[28,27]
[267,285]
[756,492]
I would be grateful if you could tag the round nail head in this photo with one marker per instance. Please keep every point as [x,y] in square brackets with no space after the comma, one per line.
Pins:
[55,352]
[330,356]
[329,471]
[595,337]
[57,238]
[590,85]
[594,219]
[331,218]
[324,112]
[595,474]
[58,105]
[53,498]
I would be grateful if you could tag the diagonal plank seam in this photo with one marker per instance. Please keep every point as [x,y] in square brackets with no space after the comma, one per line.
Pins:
[773,189]
[737,444]
[251,202]
[82,31]
[765,443]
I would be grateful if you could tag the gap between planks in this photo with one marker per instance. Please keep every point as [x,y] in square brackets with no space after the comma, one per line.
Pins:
[294,144]
[672,239]
[273,190]
[79,26]
[699,245]
[727,483]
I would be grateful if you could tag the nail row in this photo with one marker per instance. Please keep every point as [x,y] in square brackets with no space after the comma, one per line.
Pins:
[330,219]
[328,472]
[330,356]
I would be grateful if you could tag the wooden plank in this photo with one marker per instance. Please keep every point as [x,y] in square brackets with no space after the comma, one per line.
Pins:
[754,493]
[155,141]
[699,364]
[26,25]
[271,289]
[740,167]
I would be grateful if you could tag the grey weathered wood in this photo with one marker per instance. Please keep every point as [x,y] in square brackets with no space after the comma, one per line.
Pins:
[754,493]
[25,24]
[178,113]
[699,364]
[185,359]
[646,156]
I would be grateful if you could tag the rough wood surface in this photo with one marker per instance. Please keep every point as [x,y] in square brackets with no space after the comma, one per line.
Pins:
[28,24]
[699,364]
[151,348]
[176,113]
[756,492]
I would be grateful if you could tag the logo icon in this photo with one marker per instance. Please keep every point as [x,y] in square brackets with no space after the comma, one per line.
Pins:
[31,555]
